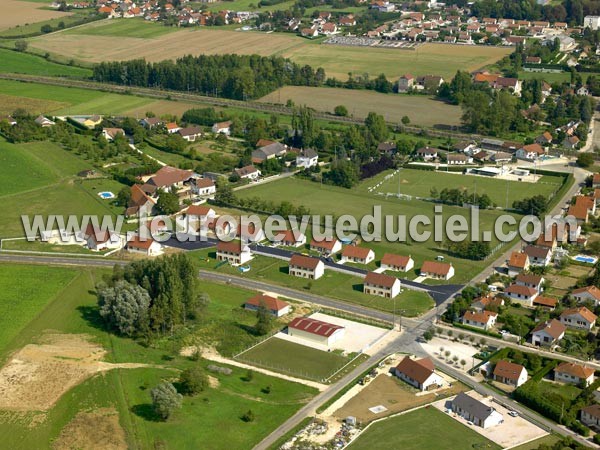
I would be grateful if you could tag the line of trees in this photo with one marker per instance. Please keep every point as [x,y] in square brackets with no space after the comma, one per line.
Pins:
[455,196]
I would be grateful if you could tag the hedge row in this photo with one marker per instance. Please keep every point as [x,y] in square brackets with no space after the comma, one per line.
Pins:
[477,330]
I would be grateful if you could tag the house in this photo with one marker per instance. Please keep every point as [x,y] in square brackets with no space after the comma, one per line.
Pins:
[548,333]
[588,293]
[222,128]
[533,60]
[151,122]
[290,238]
[309,32]
[111,133]
[590,415]
[419,373]
[200,211]
[523,294]
[487,303]
[596,180]
[501,157]
[427,153]
[483,319]
[139,202]
[381,285]
[98,239]
[544,139]
[329,28]
[572,373]
[168,177]
[269,151]
[580,212]
[405,83]
[481,156]
[571,142]
[307,158]
[205,186]
[517,263]
[579,318]
[429,82]
[327,246]
[458,158]
[437,270]
[359,255]
[190,133]
[591,22]
[510,373]
[347,21]
[11,121]
[398,263]
[247,173]
[306,267]
[387,148]
[468,147]
[196,219]
[538,256]
[172,127]
[475,411]
[530,280]
[530,152]
[147,246]
[234,252]
[44,121]
[317,331]
[250,232]
[275,306]
[545,302]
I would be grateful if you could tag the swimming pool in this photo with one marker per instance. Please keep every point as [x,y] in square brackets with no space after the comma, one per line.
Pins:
[106,195]
[585,259]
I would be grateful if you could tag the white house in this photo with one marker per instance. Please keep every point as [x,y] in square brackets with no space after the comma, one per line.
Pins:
[517,263]
[510,373]
[222,128]
[148,246]
[44,121]
[484,319]
[530,152]
[111,133]
[437,270]
[274,305]
[590,415]
[233,252]
[172,127]
[398,263]
[427,153]
[205,186]
[572,373]
[381,285]
[530,280]
[523,294]
[247,173]
[548,333]
[314,330]
[458,159]
[306,267]
[475,411]
[326,246]
[307,158]
[579,318]
[588,293]
[591,22]
[190,134]
[355,254]
[98,239]
[419,373]
[538,256]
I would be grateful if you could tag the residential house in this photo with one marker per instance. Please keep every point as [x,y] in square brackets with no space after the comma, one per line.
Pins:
[316,331]
[247,173]
[222,128]
[44,122]
[437,270]
[429,83]
[329,28]
[571,142]
[190,133]
[481,156]
[151,122]
[548,333]
[359,255]
[489,303]
[139,202]
[111,133]
[590,415]
[234,252]
[475,411]
[427,153]
[517,263]
[98,239]
[588,293]
[405,83]
[501,157]
[484,319]
[310,33]
[398,263]
[249,232]
[468,147]
[205,186]
[458,158]
[290,238]
[419,373]
[269,151]
[510,373]
[545,303]
[347,21]
[523,294]
[579,318]
[533,60]
[530,152]
[307,158]
[327,246]
[147,246]
[172,127]
[544,139]
[306,267]
[596,180]
[381,285]
[530,280]
[387,148]
[275,306]
[167,178]
[573,373]
[538,256]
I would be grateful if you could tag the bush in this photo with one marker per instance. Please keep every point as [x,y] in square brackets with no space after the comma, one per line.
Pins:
[165,400]
[193,381]
[341,111]
[248,416]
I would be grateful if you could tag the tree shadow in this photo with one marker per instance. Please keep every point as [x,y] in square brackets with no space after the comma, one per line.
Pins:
[247,328]
[146,412]
[91,315]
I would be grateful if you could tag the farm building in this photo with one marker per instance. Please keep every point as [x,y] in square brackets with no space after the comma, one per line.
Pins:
[274,305]
[381,285]
[315,330]
[419,373]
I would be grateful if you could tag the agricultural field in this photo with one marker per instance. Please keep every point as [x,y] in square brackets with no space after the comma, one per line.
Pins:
[425,428]
[126,28]
[16,62]
[21,13]
[306,362]
[421,110]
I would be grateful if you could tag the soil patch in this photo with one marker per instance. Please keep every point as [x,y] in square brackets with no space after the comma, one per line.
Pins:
[98,430]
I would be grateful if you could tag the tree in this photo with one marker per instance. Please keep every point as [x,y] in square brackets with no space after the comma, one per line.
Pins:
[165,400]
[21,45]
[46,28]
[376,125]
[463,363]
[264,319]
[405,120]
[224,195]
[341,111]
[248,416]
[168,203]
[447,354]
[124,307]
[249,376]
[193,380]
[124,196]
[585,160]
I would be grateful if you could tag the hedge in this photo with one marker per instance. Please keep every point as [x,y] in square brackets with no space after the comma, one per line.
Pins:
[477,330]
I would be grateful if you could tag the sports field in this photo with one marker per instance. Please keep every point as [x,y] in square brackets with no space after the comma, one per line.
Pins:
[294,359]
[423,429]
[421,110]
[17,62]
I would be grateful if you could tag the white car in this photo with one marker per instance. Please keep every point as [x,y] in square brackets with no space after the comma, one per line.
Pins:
[513,414]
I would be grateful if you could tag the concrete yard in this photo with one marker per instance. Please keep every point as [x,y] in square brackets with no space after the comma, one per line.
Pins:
[463,351]
[510,433]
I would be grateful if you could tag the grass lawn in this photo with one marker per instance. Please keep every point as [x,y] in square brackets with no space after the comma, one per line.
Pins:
[26,291]
[549,439]
[136,28]
[423,429]
[294,359]
[566,391]
[16,62]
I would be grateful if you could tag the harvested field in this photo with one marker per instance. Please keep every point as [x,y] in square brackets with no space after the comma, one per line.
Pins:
[39,374]
[19,13]
[421,110]
[98,430]
[162,107]
[10,103]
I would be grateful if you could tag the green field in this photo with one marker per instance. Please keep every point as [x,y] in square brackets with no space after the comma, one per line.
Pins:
[423,429]
[34,24]
[294,359]
[136,28]
[15,62]
[419,183]
[549,439]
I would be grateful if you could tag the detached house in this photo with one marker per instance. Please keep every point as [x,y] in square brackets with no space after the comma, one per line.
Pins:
[307,158]
[381,285]
[517,263]
[510,373]
[572,373]
[544,139]
[590,415]
[233,252]
[530,280]
[538,256]
[111,133]
[523,294]
[205,186]
[190,133]
[419,373]
[437,270]
[326,246]
[247,173]
[222,128]
[530,152]
[98,239]
[458,159]
[475,411]
[427,153]
[306,267]
[169,177]
[548,333]
[484,319]
[397,263]
[579,318]
[44,122]
[147,246]
[359,255]
[487,303]
[269,151]
[139,202]
[275,306]
[588,293]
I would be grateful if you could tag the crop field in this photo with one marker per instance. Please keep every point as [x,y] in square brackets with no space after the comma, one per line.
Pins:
[294,359]
[420,109]
[423,429]
[419,183]
[16,62]
[134,28]
[15,12]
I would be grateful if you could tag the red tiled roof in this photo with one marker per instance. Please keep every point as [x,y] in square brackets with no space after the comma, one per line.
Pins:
[518,259]
[417,369]
[481,317]
[520,290]
[136,242]
[436,267]
[352,251]
[305,262]
[534,148]
[326,244]
[168,175]
[271,303]
[314,326]
[577,370]
[508,370]
[198,210]
[380,279]
[395,260]
[230,247]
[582,311]
[592,290]
[205,182]
[552,327]
[545,301]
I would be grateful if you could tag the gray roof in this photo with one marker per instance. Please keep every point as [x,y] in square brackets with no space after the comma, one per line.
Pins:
[272,149]
[472,406]
[308,153]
